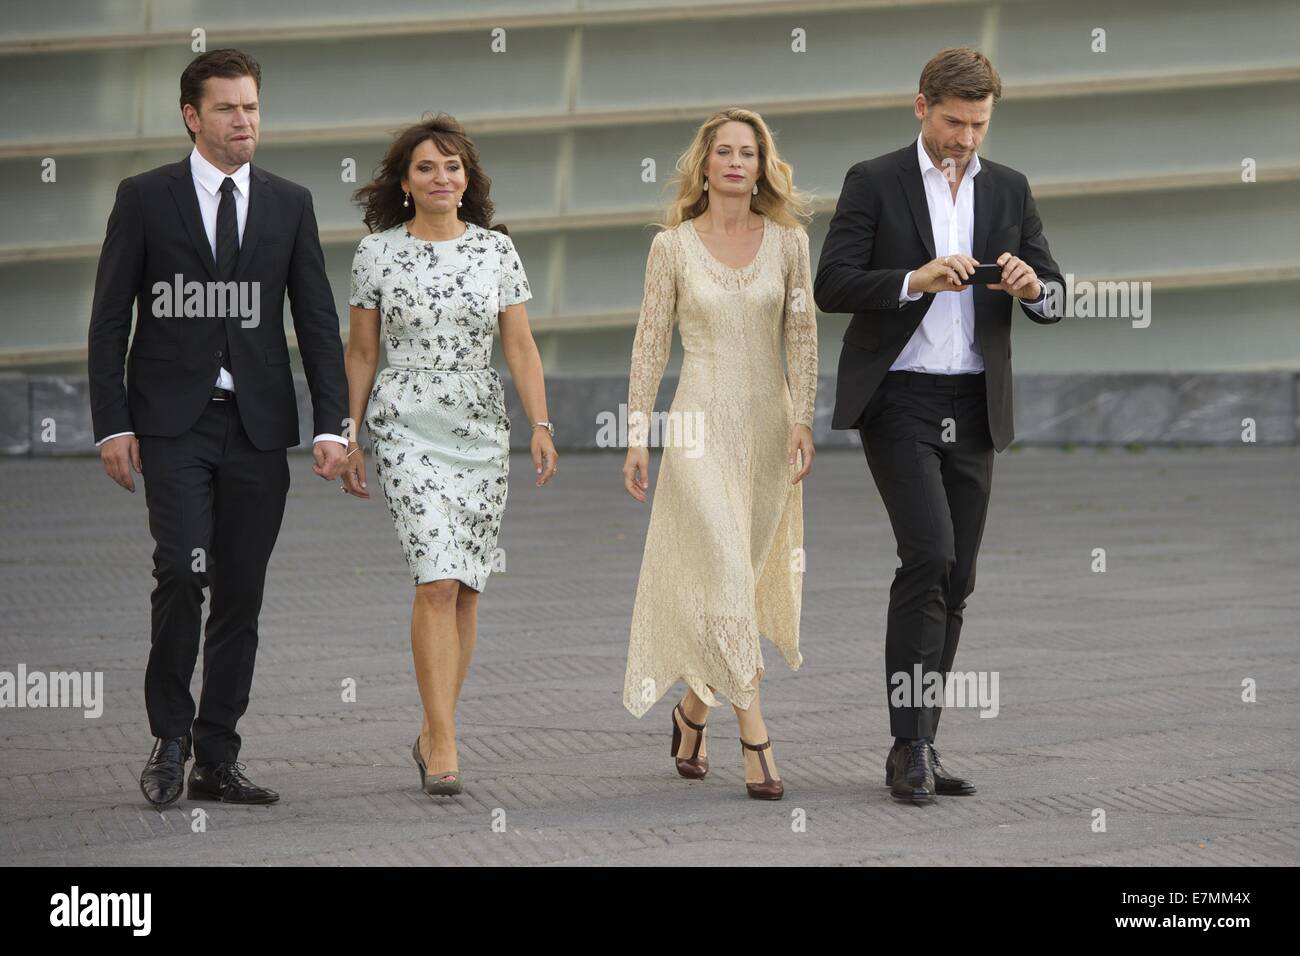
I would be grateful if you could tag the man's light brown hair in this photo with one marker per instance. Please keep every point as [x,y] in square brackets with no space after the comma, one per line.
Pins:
[962,72]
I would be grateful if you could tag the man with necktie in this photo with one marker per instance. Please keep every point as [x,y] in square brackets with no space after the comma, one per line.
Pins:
[205,250]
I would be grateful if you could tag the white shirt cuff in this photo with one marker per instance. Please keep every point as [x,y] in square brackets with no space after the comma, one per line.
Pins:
[1040,305]
[338,438]
[117,435]
[902,293]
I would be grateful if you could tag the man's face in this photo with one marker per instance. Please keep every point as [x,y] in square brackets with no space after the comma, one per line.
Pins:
[953,128]
[225,125]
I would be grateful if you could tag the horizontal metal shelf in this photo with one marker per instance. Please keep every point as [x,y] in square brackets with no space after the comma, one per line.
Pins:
[624,218]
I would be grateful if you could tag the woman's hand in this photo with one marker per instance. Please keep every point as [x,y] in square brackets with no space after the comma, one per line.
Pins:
[801,441]
[636,472]
[354,472]
[545,457]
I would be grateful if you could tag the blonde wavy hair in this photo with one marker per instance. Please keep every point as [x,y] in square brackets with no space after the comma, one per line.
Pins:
[777,197]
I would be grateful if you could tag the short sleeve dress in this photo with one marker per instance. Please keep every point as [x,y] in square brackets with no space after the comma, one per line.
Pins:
[436,415]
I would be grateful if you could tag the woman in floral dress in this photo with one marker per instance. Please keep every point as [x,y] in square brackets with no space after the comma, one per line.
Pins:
[433,280]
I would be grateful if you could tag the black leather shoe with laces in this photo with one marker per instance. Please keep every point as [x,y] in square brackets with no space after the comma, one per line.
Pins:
[945,784]
[890,763]
[226,783]
[913,773]
[163,779]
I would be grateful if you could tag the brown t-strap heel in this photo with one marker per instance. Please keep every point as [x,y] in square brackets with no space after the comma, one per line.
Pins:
[693,767]
[769,789]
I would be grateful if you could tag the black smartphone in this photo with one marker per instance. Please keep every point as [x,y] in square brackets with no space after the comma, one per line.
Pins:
[985,275]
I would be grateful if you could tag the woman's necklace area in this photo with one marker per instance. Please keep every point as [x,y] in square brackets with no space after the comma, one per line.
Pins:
[465,229]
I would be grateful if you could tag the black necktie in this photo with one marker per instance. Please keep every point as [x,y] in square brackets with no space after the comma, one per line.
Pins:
[227,232]
[227,250]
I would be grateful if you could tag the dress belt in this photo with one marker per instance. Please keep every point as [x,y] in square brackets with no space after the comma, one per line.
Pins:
[441,368]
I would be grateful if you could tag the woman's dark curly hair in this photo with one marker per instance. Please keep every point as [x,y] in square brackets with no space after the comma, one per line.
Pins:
[382,198]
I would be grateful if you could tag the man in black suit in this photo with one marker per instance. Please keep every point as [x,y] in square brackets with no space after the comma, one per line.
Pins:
[206,249]
[925,371]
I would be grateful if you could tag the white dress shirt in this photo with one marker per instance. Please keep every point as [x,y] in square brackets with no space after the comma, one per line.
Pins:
[207,187]
[944,343]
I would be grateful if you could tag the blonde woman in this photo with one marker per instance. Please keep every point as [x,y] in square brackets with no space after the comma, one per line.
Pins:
[723,553]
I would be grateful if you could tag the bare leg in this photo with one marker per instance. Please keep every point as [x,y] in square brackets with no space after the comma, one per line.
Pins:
[436,647]
[754,731]
[697,711]
[467,627]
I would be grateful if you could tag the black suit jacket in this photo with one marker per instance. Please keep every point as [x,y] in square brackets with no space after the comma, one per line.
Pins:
[155,232]
[879,233]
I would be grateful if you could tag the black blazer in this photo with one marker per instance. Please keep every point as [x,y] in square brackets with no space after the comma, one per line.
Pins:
[155,232]
[879,233]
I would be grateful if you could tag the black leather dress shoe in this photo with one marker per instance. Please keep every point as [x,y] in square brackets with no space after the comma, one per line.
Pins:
[226,783]
[945,784]
[913,773]
[890,763]
[163,779]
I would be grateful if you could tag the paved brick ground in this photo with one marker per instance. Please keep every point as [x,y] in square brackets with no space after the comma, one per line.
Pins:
[1119,691]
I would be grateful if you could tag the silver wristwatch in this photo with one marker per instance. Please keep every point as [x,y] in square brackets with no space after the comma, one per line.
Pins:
[549,427]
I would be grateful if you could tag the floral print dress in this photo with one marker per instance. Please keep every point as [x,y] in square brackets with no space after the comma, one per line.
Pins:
[436,415]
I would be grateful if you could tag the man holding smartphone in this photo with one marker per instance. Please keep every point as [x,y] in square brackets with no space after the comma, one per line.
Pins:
[925,370]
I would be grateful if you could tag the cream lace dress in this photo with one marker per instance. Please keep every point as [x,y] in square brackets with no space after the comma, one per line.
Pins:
[723,560]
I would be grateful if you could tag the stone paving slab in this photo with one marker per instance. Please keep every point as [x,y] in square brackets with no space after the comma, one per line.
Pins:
[1119,691]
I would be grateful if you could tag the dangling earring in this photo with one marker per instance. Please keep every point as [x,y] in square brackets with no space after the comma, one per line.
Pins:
[706,185]
[755,189]
[407,200]
[459,203]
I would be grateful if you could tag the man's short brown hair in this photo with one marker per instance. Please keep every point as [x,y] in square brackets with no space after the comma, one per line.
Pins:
[962,72]
[228,64]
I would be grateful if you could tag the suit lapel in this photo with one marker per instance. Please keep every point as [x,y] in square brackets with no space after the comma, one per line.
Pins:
[909,174]
[259,202]
[182,189]
[983,212]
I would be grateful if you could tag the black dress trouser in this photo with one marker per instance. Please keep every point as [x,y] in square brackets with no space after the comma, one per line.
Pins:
[927,442]
[215,505]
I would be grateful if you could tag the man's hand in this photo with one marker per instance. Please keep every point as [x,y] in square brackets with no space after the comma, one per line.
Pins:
[119,456]
[331,459]
[1018,279]
[944,274]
